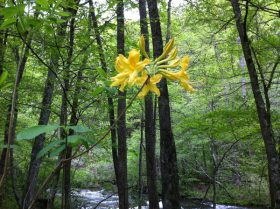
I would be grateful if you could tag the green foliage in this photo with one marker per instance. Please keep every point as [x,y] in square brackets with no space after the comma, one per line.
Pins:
[32,132]
[204,124]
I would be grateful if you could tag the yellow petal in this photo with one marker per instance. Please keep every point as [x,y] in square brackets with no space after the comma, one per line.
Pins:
[154,89]
[156,78]
[185,62]
[142,46]
[140,65]
[123,85]
[117,82]
[132,77]
[167,48]
[144,91]
[170,75]
[122,64]
[142,42]
[134,57]
[187,87]
[140,80]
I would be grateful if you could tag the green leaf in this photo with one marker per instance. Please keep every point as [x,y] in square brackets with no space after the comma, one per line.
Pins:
[98,91]
[101,72]
[50,146]
[43,3]
[75,140]
[7,23]
[57,150]
[9,12]
[79,128]
[63,14]
[6,86]
[32,132]
[3,77]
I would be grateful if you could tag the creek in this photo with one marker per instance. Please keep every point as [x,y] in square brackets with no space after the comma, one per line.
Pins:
[99,199]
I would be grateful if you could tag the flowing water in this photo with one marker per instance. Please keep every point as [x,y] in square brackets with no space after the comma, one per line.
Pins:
[89,199]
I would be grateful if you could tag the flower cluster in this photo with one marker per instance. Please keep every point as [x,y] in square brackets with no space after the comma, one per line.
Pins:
[147,73]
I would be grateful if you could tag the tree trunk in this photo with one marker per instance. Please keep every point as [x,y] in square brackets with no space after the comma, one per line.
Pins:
[168,158]
[109,98]
[2,41]
[150,138]
[9,135]
[121,123]
[262,110]
[34,165]
[66,194]
[140,183]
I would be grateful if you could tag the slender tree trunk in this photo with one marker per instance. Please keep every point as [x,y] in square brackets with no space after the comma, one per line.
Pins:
[66,195]
[34,165]
[168,158]
[140,183]
[73,121]
[150,153]
[150,139]
[9,135]
[168,31]
[262,110]
[109,98]
[121,123]
[2,41]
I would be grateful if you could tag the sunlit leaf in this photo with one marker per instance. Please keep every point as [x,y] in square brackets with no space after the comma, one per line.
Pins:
[79,128]
[32,132]
[49,147]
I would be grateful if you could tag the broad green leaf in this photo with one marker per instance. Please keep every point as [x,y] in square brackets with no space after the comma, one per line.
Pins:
[98,91]
[79,128]
[57,150]
[50,146]
[74,140]
[3,77]
[101,72]
[7,23]
[63,14]
[6,86]
[43,3]
[32,132]
[10,12]
[59,21]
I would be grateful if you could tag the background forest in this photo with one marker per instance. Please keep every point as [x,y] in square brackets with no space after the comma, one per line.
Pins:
[63,127]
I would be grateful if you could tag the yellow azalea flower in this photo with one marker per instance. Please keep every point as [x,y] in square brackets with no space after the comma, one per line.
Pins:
[120,80]
[132,71]
[150,85]
[166,50]
[142,46]
[173,64]
[181,75]
[128,69]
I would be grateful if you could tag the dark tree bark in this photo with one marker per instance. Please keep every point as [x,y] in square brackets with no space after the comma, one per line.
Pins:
[263,110]
[2,41]
[66,194]
[34,165]
[121,123]
[9,135]
[150,139]
[109,98]
[140,183]
[168,158]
